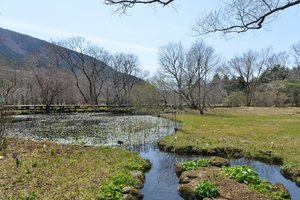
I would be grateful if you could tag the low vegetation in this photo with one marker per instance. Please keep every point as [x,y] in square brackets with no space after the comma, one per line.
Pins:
[206,189]
[193,165]
[213,179]
[52,171]
[247,175]
[268,134]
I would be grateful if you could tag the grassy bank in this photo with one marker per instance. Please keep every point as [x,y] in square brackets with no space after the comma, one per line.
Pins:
[52,171]
[261,133]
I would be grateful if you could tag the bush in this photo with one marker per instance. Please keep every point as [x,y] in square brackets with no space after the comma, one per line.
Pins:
[235,99]
[206,189]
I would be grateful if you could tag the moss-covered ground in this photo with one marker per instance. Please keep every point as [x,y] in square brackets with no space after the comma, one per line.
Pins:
[53,171]
[260,133]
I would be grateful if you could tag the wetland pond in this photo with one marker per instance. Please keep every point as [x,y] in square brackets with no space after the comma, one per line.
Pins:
[135,133]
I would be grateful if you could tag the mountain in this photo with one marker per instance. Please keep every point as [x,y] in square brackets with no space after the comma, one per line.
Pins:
[15,47]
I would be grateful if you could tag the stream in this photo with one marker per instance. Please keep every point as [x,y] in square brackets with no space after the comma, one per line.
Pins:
[136,133]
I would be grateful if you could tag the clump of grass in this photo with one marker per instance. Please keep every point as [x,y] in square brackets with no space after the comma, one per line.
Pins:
[193,165]
[113,189]
[134,166]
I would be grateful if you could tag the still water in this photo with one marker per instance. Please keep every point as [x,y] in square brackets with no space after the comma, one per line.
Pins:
[137,133]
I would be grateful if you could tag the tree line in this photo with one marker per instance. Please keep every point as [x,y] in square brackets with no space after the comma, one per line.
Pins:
[198,78]
[75,71]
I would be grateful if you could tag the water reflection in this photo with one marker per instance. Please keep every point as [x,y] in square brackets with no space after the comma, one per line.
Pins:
[161,180]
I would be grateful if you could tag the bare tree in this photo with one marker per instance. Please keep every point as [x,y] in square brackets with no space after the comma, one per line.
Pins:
[88,64]
[7,86]
[48,81]
[234,16]
[126,68]
[8,82]
[172,60]
[296,53]
[186,73]
[202,59]
[51,82]
[248,68]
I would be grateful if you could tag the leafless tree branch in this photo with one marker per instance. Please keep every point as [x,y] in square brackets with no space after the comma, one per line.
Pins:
[123,5]
[241,15]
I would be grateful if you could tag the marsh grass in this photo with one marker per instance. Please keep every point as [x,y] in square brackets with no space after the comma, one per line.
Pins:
[53,171]
[258,132]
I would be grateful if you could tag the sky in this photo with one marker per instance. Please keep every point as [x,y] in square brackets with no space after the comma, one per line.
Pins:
[143,30]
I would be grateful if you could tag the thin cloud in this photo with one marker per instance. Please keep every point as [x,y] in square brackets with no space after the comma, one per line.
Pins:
[47,33]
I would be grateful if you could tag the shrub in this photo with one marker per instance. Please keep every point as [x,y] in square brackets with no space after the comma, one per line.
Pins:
[206,189]
[235,99]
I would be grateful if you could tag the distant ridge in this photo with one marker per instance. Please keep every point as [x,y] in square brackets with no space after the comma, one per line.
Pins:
[14,47]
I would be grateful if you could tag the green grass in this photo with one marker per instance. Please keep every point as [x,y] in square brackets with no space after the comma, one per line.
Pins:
[53,171]
[258,132]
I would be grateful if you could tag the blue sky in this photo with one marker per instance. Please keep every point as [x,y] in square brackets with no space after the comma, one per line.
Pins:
[143,31]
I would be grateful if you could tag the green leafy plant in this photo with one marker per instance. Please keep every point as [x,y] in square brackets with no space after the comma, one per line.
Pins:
[113,190]
[189,165]
[28,196]
[202,162]
[123,179]
[193,165]
[206,189]
[72,161]
[262,187]
[110,192]
[286,166]
[243,174]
